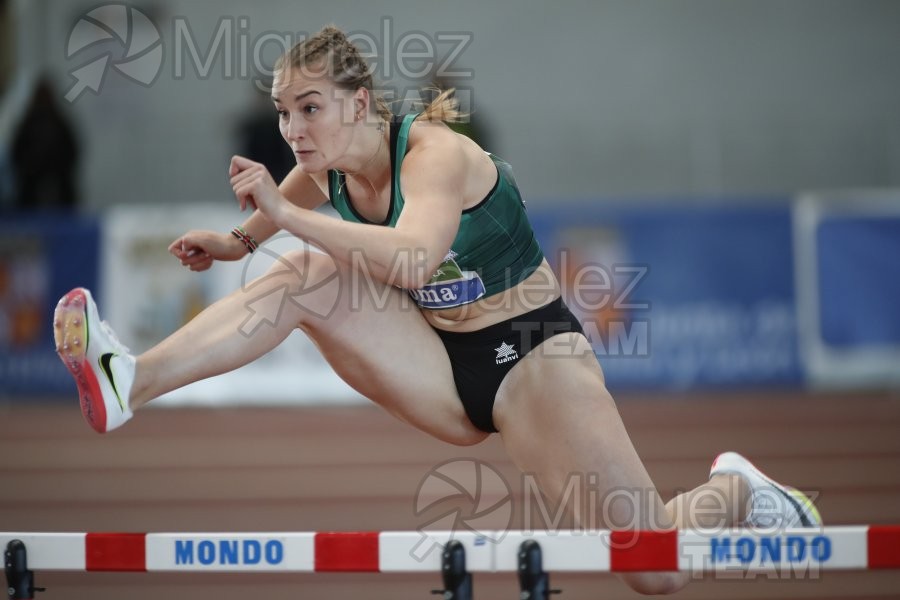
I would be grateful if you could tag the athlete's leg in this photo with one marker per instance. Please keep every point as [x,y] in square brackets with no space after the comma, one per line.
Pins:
[723,501]
[373,337]
[558,421]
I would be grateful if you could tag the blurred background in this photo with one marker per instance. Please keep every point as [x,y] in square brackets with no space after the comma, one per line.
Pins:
[717,185]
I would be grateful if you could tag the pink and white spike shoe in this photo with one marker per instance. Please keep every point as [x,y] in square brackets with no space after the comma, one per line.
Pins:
[102,367]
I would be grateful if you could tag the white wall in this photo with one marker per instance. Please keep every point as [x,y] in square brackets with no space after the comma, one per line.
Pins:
[584,98]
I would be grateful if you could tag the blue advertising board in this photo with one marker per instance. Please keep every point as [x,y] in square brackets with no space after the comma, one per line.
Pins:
[676,295]
[859,281]
[679,295]
[41,258]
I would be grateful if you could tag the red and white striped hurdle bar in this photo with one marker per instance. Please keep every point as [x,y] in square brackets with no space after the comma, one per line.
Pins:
[698,551]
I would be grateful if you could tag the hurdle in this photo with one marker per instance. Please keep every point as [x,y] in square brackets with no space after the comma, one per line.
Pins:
[456,555]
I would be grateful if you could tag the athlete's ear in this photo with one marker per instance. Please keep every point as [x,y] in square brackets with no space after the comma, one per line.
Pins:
[360,104]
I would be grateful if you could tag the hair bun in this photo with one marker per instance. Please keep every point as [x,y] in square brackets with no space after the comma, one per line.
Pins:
[334,34]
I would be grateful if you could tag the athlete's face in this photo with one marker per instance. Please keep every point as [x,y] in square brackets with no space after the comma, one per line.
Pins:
[316,118]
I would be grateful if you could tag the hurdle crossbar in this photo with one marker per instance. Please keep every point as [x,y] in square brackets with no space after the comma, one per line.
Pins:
[698,551]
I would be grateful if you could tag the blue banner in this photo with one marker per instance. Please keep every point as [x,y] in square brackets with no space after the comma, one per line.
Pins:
[41,258]
[859,281]
[680,296]
[673,296]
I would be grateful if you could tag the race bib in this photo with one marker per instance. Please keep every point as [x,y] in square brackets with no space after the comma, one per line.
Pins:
[449,286]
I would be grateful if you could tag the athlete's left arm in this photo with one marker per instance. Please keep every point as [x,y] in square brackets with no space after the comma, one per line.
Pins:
[406,255]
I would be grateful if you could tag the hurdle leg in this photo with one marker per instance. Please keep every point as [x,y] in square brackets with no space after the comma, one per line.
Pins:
[19,580]
[534,582]
[457,581]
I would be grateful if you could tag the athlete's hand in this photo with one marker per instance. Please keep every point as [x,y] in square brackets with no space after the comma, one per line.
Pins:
[254,187]
[198,249]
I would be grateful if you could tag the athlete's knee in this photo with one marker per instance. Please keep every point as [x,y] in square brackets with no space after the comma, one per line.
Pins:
[655,584]
[306,283]
[304,270]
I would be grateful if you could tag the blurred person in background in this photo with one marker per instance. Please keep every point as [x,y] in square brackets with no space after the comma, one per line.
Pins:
[7,54]
[7,40]
[44,154]
[259,140]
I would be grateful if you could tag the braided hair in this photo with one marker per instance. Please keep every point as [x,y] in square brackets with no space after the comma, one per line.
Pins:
[331,51]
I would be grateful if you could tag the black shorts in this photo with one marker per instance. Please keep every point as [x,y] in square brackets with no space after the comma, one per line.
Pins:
[481,359]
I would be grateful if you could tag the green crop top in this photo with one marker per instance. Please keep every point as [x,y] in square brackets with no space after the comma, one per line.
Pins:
[494,249]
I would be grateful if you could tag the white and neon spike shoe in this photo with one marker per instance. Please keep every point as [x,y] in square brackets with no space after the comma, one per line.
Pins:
[102,367]
[773,506]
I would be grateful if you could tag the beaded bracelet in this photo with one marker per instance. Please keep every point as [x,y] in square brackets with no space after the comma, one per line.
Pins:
[247,239]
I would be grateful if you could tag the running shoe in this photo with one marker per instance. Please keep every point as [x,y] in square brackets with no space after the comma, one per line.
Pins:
[102,367]
[773,505]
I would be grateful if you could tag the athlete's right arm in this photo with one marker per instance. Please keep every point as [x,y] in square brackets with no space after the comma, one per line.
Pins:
[197,249]
[299,189]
